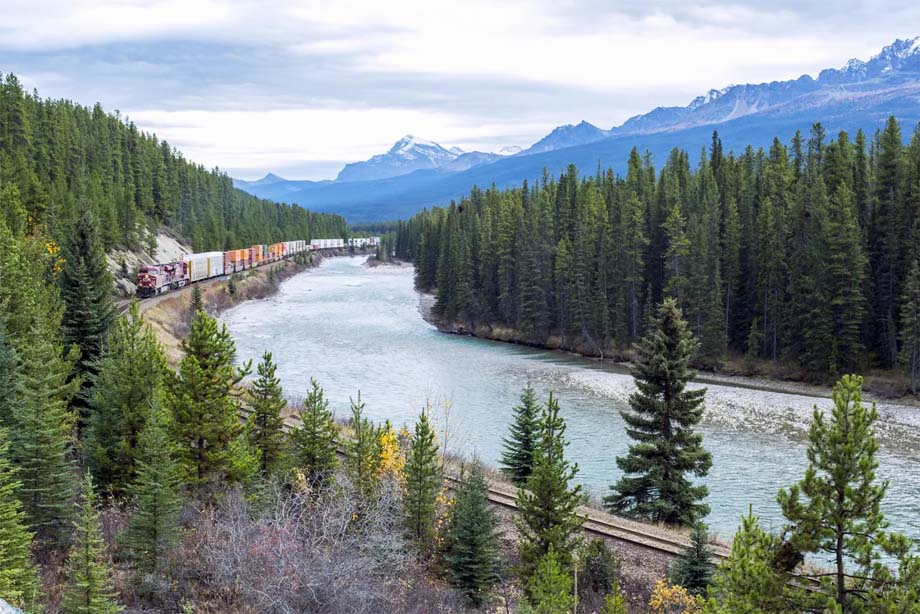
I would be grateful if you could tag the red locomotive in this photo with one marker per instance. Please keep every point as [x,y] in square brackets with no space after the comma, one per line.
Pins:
[158,278]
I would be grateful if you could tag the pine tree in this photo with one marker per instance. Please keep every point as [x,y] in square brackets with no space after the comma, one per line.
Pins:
[423,481]
[662,416]
[694,568]
[748,581]
[362,452]
[548,508]
[205,413]
[314,439]
[265,424]
[86,287]
[549,590]
[131,374]
[615,601]
[910,326]
[517,455]
[836,508]
[89,589]
[153,528]
[471,542]
[18,578]
[197,301]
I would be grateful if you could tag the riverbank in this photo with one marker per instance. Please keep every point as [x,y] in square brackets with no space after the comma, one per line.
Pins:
[885,387]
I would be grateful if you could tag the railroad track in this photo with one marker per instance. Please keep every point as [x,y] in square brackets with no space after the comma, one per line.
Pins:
[596,523]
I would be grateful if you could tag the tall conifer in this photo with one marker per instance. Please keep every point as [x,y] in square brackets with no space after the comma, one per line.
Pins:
[86,287]
[89,589]
[423,481]
[661,421]
[131,375]
[910,326]
[522,440]
[471,541]
[205,413]
[315,438]
[265,424]
[18,580]
[153,528]
[548,506]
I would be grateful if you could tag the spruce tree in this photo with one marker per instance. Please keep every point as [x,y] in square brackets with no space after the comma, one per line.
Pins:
[549,590]
[910,326]
[315,438]
[265,423]
[694,568]
[661,420]
[89,588]
[423,482]
[548,508]
[518,447]
[205,413]
[86,287]
[196,303]
[18,578]
[362,452]
[131,375]
[471,542]
[42,436]
[836,508]
[845,271]
[153,528]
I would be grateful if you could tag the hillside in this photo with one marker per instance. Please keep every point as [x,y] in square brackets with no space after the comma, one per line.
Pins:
[858,96]
[61,158]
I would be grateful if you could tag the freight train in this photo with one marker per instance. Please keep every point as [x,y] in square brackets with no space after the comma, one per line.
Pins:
[159,278]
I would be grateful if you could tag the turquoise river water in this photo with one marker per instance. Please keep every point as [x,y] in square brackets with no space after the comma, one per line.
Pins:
[356,328]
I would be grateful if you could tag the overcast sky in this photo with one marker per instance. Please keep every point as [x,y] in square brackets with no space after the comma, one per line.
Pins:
[301,87]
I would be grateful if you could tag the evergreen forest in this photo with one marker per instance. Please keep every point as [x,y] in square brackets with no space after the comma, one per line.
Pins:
[59,159]
[804,254]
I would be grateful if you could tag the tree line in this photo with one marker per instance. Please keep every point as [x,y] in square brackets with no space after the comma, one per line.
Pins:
[59,159]
[804,253]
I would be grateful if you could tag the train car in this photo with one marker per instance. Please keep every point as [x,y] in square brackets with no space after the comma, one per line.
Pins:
[204,265]
[236,260]
[158,278]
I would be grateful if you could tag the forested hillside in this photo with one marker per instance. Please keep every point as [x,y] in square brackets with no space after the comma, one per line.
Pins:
[58,158]
[807,252]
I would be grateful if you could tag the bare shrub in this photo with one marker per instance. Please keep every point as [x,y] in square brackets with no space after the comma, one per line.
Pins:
[306,552]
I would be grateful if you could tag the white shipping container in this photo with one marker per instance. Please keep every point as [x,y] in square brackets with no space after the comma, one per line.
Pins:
[204,265]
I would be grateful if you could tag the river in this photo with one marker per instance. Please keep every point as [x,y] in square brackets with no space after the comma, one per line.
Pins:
[356,328]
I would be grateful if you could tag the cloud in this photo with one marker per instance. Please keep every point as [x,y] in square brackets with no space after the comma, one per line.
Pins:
[255,86]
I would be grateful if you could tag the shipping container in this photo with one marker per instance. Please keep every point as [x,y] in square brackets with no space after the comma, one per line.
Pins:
[205,265]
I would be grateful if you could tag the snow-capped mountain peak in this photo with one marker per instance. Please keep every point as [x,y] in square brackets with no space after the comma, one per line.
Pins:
[408,154]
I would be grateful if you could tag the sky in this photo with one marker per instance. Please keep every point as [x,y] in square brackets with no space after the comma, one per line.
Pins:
[300,87]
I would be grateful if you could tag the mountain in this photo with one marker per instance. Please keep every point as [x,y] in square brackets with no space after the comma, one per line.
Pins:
[567,136]
[268,179]
[859,95]
[406,155]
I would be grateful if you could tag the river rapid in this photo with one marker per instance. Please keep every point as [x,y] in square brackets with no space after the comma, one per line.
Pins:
[355,328]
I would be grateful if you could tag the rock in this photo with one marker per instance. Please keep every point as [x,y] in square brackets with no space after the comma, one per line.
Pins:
[126,288]
[6,608]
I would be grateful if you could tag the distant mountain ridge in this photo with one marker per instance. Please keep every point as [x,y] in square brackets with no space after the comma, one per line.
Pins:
[416,173]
